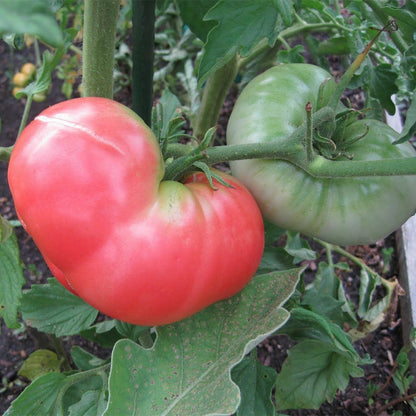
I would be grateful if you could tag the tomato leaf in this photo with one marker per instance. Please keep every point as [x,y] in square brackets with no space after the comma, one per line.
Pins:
[12,280]
[84,360]
[70,394]
[34,17]
[326,295]
[53,309]
[312,374]
[238,30]
[43,77]
[409,128]
[6,229]
[38,363]
[192,14]
[187,371]
[39,398]
[104,333]
[305,324]
[382,85]
[275,258]
[256,382]
[92,403]
[299,248]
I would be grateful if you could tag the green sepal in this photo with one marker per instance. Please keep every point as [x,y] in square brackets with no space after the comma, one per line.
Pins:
[211,175]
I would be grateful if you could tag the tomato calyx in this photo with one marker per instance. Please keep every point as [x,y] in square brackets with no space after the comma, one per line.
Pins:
[332,142]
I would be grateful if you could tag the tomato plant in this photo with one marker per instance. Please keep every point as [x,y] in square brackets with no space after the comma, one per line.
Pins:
[135,219]
[155,252]
[345,211]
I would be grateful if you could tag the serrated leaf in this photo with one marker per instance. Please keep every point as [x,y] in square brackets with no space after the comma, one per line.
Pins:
[382,86]
[12,281]
[43,76]
[129,330]
[256,382]
[305,324]
[38,363]
[52,309]
[103,333]
[32,17]
[299,248]
[275,258]
[192,14]
[312,373]
[6,229]
[238,30]
[39,398]
[285,10]
[54,393]
[187,371]
[84,360]
[272,233]
[171,110]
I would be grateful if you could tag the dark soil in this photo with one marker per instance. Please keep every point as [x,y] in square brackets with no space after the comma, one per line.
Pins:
[15,345]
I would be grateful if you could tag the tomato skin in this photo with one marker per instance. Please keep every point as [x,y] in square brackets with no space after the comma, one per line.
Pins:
[344,211]
[86,181]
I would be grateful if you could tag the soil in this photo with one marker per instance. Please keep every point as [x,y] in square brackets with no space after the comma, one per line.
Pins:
[382,345]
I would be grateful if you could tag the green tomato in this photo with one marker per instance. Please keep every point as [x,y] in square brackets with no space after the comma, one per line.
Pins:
[344,211]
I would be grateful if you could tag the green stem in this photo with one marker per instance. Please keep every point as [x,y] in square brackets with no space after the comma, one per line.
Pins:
[321,167]
[357,261]
[100,24]
[213,97]
[291,149]
[25,114]
[76,50]
[143,51]
[5,153]
[60,351]
[349,73]
[38,58]
[309,132]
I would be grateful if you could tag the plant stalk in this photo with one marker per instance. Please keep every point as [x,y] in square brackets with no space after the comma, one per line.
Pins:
[213,97]
[100,24]
[321,167]
[143,53]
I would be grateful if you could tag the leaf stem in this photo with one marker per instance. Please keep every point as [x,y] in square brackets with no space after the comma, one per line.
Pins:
[292,149]
[309,132]
[100,24]
[25,115]
[60,351]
